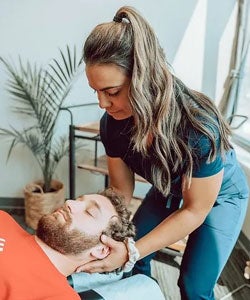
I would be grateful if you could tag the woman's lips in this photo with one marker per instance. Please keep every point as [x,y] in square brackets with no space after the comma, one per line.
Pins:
[112,112]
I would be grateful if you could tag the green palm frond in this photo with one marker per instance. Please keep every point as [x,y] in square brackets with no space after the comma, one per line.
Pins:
[29,137]
[60,148]
[39,93]
[19,87]
[64,71]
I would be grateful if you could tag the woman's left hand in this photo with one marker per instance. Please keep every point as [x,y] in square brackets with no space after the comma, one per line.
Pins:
[118,257]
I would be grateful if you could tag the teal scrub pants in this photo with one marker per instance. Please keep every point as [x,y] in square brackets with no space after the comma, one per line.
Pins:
[208,247]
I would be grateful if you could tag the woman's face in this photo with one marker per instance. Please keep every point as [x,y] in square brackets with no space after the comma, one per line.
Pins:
[111,85]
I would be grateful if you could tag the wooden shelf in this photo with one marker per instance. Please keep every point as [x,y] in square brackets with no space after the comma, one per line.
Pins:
[100,166]
[93,127]
[178,246]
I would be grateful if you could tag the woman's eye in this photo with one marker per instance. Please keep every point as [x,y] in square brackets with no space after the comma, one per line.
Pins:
[113,94]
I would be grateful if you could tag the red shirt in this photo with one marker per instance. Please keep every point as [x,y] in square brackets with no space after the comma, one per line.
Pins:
[26,273]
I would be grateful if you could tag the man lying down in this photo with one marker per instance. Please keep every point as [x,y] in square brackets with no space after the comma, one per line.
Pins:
[36,266]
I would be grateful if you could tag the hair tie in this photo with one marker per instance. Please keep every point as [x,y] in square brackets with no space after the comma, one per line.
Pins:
[117,19]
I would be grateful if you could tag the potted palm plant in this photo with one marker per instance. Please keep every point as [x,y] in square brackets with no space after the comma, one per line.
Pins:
[39,93]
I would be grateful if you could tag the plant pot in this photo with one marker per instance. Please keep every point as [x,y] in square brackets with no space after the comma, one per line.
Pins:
[37,203]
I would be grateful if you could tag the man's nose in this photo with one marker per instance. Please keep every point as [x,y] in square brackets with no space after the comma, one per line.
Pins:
[73,205]
[103,100]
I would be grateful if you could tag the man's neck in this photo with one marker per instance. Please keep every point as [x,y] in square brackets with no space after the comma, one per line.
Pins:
[65,264]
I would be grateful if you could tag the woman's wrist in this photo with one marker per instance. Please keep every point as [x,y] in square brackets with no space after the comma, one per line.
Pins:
[133,254]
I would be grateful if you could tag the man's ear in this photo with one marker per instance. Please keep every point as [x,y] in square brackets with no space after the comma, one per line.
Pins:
[100,251]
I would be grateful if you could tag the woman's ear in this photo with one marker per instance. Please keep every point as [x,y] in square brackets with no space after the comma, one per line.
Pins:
[100,251]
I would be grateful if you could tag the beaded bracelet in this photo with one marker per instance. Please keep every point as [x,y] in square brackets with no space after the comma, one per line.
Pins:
[133,255]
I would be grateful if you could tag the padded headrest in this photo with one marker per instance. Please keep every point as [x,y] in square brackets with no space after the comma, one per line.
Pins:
[139,287]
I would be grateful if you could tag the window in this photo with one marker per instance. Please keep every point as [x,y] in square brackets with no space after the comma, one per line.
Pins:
[241,120]
[235,104]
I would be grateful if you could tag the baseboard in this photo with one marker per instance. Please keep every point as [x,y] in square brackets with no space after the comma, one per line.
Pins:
[12,205]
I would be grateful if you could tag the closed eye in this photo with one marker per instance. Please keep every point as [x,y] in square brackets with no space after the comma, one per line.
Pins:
[112,94]
[89,213]
[92,211]
[108,93]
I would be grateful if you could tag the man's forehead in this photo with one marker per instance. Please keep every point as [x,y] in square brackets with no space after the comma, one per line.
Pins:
[99,200]
[95,197]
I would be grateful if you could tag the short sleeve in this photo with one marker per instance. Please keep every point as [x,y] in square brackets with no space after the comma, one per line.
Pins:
[201,150]
[205,169]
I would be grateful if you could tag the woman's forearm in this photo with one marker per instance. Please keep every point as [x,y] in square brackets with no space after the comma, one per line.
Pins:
[172,229]
[195,208]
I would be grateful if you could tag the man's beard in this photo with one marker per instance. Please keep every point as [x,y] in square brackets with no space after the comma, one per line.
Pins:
[59,237]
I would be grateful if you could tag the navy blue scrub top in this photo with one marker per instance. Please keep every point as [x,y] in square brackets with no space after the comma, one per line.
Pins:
[116,134]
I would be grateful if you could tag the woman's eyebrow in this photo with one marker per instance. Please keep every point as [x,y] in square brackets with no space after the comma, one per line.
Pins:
[110,87]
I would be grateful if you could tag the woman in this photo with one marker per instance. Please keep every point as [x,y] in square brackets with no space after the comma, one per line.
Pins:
[177,140]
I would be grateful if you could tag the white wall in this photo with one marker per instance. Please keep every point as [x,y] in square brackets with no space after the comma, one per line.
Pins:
[197,37]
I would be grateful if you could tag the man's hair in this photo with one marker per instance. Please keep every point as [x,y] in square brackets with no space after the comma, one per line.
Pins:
[119,227]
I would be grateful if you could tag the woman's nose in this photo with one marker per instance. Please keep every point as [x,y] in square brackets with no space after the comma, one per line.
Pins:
[103,101]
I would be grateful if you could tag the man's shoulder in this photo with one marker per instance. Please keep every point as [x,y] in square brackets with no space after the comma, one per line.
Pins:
[65,294]
[8,225]
[3,213]
[4,216]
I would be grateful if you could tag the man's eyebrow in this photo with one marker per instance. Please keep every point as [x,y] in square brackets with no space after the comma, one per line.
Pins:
[94,203]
